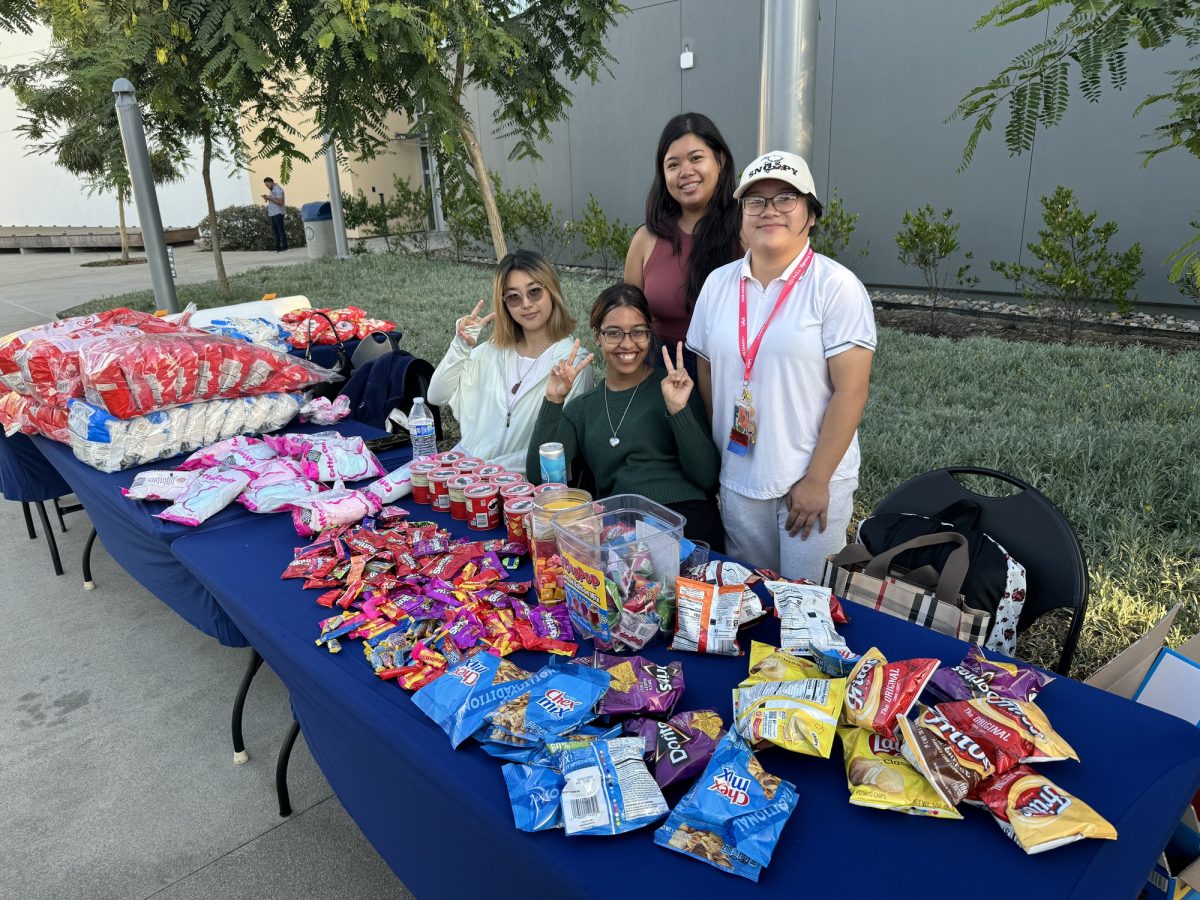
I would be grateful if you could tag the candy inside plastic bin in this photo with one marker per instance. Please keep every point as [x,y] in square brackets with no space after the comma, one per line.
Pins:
[547,567]
[622,559]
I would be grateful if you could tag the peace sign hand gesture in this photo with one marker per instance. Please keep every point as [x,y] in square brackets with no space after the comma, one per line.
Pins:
[677,386]
[564,373]
[469,327]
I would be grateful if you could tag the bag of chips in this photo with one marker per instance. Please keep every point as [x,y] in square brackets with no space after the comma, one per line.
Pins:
[706,618]
[459,699]
[533,792]
[1010,732]
[638,685]
[725,573]
[978,676]
[881,778]
[952,761]
[678,749]
[1037,814]
[732,817]
[555,704]
[878,692]
[607,788]
[769,664]
[799,715]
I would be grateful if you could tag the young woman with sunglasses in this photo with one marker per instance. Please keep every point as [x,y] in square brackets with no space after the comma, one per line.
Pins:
[785,339]
[642,430]
[494,387]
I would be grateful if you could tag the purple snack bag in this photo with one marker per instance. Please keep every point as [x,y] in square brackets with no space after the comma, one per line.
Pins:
[639,686]
[678,749]
[551,622]
[978,676]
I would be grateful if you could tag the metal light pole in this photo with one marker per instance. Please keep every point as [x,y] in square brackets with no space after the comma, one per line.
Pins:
[789,74]
[133,138]
[335,197]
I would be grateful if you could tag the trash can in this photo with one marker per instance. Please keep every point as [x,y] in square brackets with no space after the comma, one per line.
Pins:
[318,229]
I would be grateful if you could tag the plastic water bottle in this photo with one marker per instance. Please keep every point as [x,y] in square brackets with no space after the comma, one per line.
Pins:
[420,429]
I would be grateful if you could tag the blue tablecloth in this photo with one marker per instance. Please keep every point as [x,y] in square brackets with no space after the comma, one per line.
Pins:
[141,543]
[442,820]
[25,475]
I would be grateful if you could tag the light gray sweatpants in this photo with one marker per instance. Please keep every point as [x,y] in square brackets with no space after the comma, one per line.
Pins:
[755,532]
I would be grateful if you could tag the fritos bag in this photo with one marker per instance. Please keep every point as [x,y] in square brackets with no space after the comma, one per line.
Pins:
[879,693]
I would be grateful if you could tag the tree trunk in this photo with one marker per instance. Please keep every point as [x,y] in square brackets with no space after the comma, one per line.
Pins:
[121,225]
[475,152]
[206,172]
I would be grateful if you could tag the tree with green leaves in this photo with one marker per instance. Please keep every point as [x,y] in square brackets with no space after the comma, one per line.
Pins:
[1092,39]
[67,105]
[421,58]
[17,15]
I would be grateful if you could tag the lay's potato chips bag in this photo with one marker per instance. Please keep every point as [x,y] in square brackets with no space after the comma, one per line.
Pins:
[880,777]
[800,714]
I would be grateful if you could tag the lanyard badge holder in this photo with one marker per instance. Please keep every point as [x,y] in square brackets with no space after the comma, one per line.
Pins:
[744,431]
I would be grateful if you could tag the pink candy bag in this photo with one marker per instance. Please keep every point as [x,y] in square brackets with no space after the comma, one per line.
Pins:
[338,506]
[252,449]
[159,485]
[344,458]
[210,493]
[274,496]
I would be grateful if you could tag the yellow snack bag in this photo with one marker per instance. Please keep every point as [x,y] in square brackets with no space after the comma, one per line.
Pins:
[880,777]
[799,715]
[769,664]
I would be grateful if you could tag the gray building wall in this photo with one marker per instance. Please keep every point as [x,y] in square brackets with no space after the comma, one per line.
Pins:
[889,74]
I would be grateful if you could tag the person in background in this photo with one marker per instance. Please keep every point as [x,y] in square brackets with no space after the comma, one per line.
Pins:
[494,387]
[637,436]
[274,198]
[691,228]
[786,338]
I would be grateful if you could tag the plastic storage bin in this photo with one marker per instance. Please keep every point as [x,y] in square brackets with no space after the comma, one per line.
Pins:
[621,557]
[547,568]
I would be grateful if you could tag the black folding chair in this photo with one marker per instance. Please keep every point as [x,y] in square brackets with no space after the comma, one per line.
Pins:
[1028,525]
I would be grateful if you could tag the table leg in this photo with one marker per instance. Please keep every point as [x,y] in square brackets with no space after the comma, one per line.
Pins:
[281,767]
[239,746]
[58,569]
[28,520]
[88,584]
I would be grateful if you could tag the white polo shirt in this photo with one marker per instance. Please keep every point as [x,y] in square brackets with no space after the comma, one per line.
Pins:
[827,313]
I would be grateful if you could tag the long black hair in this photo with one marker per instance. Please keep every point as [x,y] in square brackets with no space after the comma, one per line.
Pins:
[715,240]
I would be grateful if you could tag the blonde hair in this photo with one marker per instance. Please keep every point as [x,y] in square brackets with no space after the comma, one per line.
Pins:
[506,330]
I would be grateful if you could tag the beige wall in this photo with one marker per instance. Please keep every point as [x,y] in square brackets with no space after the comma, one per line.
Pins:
[308,181]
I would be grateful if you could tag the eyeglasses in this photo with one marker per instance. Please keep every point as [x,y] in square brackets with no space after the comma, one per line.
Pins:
[783,203]
[614,336]
[516,298]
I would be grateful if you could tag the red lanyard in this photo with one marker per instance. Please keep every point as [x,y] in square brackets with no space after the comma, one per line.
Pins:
[749,355]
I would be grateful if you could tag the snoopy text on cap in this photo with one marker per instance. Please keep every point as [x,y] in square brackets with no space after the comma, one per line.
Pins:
[781,166]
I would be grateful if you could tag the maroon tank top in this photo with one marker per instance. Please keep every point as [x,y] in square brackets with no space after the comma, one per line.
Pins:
[665,278]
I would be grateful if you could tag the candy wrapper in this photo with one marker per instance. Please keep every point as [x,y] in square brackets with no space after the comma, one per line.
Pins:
[678,749]
[799,715]
[458,700]
[162,485]
[638,685]
[1039,815]
[732,817]
[559,700]
[878,692]
[608,789]
[706,618]
[978,676]
[207,495]
[880,777]
[533,792]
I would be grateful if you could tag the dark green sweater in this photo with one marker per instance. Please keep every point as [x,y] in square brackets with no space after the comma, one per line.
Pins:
[666,458]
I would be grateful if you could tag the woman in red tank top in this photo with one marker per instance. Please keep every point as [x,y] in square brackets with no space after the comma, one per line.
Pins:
[692,224]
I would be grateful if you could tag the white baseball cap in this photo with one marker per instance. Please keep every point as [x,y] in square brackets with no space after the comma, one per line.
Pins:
[780,166]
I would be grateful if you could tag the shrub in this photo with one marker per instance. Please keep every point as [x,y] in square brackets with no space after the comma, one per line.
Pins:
[927,241]
[247,228]
[1186,269]
[608,240]
[832,235]
[1075,266]
[530,221]
[404,214]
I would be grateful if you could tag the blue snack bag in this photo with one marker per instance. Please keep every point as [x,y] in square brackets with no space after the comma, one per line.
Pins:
[534,793]
[732,817]
[607,788]
[557,701]
[458,700]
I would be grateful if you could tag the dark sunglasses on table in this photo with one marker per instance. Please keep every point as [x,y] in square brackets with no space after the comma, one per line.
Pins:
[533,295]
[783,203]
[614,336]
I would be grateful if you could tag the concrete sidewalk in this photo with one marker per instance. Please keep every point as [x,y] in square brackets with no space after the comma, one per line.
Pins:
[35,286]
[116,766]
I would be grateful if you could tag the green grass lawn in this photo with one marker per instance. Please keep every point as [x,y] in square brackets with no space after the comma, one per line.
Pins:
[1112,436]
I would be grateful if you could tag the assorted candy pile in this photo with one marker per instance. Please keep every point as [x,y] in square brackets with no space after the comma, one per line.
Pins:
[305,327]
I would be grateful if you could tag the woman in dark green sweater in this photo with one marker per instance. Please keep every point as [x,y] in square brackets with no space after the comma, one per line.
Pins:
[638,431]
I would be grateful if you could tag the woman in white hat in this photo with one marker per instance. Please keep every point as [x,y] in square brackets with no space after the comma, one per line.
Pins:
[785,339]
